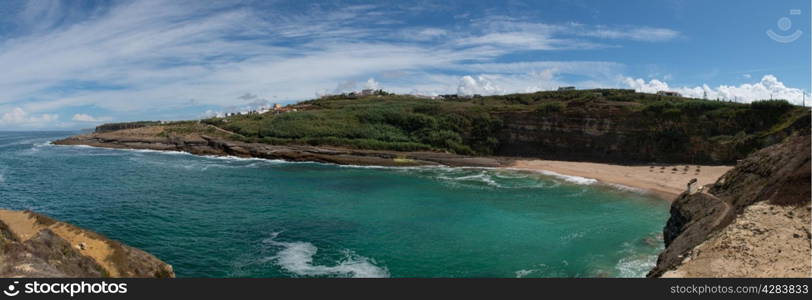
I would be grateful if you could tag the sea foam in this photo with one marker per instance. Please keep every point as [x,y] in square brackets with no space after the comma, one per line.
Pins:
[570,179]
[297,258]
[524,272]
[635,266]
[628,188]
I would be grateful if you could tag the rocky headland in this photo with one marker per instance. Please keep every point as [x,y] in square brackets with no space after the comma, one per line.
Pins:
[34,245]
[753,222]
[157,138]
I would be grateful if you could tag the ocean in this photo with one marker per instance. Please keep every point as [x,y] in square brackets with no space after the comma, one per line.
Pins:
[234,217]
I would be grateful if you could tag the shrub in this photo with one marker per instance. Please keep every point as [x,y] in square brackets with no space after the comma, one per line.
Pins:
[550,107]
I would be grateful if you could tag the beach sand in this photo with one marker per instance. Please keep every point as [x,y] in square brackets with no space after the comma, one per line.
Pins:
[661,180]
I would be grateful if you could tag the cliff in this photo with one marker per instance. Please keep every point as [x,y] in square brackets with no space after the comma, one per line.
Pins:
[753,222]
[628,132]
[604,125]
[209,140]
[33,245]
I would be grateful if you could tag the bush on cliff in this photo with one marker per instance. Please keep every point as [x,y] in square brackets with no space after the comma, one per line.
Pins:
[477,125]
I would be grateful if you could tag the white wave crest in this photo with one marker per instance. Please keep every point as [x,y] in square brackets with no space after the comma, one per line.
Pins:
[297,258]
[482,177]
[628,188]
[572,236]
[523,273]
[570,179]
[170,152]
[635,266]
[78,146]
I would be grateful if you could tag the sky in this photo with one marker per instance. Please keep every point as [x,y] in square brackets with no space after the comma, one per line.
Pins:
[76,64]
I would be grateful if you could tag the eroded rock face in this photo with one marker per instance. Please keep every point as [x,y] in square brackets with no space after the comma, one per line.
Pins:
[753,222]
[607,133]
[765,240]
[154,138]
[33,245]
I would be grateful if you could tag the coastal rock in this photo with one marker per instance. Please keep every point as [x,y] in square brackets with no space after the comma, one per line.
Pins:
[33,245]
[615,133]
[753,222]
[155,138]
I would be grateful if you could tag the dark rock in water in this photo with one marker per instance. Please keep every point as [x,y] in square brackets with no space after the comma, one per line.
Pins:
[33,245]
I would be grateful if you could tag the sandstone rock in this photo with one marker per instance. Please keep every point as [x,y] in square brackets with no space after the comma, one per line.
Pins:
[749,223]
[33,245]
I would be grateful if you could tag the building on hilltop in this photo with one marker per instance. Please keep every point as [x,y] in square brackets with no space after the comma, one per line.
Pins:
[566,88]
[669,93]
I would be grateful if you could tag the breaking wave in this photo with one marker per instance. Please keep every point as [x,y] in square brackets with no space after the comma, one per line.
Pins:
[524,272]
[468,176]
[635,266]
[571,179]
[637,261]
[628,188]
[297,258]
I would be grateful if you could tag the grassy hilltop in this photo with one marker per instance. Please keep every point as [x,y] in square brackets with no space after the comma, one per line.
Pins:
[492,125]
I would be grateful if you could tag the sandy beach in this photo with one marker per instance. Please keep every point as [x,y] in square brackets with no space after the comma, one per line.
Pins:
[665,181]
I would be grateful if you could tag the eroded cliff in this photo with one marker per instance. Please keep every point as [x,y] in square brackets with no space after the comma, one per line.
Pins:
[620,132]
[753,222]
[33,245]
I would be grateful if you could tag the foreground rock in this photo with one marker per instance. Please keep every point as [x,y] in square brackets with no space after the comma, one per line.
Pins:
[156,138]
[753,222]
[33,245]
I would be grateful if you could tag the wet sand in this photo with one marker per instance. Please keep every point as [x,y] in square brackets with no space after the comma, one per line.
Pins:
[660,180]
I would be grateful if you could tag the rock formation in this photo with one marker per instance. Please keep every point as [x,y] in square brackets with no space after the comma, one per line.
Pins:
[33,245]
[156,138]
[609,134]
[753,222]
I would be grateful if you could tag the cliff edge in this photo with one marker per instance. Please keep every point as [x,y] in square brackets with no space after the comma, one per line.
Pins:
[753,222]
[33,245]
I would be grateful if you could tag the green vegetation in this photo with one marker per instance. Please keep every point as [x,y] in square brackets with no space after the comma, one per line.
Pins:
[401,123]
[477,125]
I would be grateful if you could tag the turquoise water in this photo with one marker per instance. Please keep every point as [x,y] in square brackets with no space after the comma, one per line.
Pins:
[228,217]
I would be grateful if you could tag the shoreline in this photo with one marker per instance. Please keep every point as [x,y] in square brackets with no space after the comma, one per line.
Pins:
[661,180]
[664,181]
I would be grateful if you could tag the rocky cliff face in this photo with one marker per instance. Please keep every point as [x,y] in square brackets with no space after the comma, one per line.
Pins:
[616,133]
[33,245]
[753,222]
[157,138]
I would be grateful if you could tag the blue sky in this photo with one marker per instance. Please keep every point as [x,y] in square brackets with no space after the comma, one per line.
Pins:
[75,64]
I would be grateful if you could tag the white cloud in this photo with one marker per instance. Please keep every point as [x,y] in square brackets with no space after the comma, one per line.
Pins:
[647,34]
[19,118]
[371,84]
[530,41]
[480,85]
[150,57]
[89,118]
[423,34]
[769,87]
[640,85]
